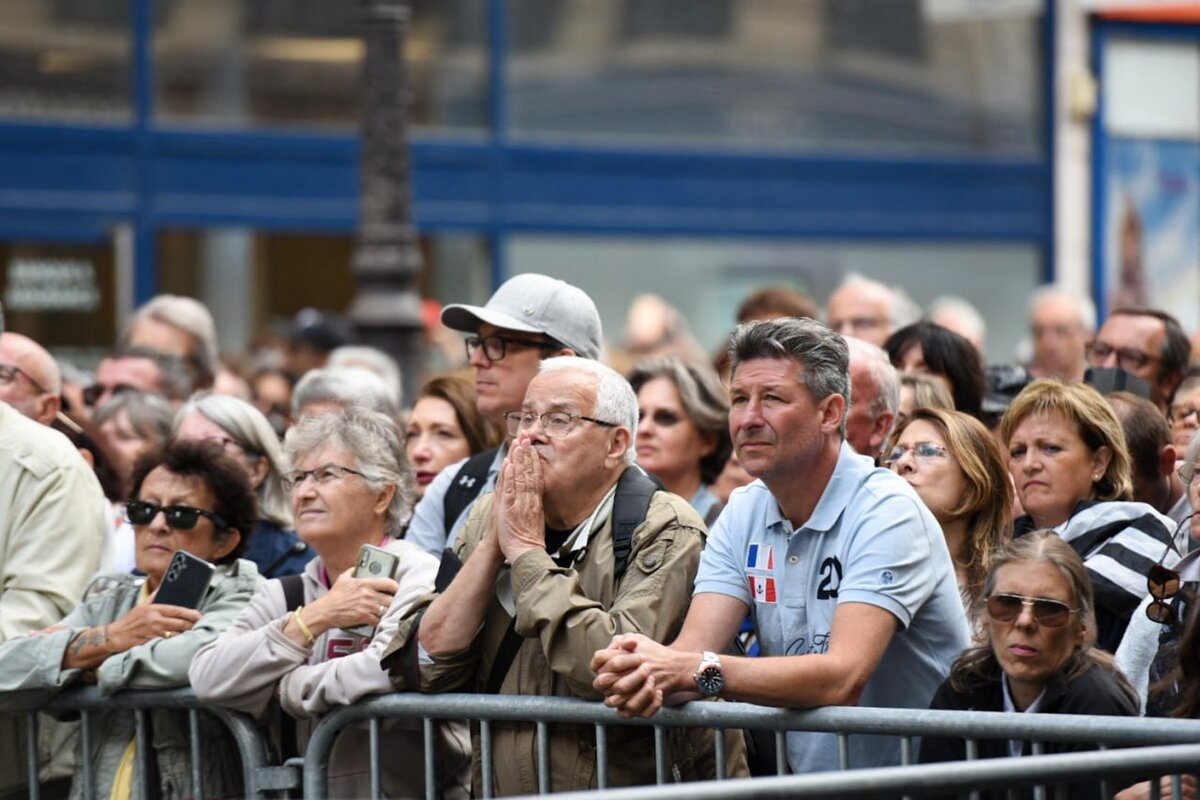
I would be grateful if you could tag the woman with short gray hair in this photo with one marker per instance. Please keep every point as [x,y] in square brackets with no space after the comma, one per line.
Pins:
[316,644]
[245,435]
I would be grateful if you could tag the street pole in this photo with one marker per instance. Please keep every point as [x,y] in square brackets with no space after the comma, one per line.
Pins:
[386,311]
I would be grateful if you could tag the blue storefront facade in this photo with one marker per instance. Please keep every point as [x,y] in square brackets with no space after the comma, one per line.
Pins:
[691,149]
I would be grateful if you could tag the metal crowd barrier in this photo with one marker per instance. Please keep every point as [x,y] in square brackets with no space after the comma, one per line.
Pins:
[258,774]
[1175,743]
[844,722]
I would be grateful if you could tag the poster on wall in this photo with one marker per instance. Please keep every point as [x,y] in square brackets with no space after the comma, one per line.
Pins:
[1152,227]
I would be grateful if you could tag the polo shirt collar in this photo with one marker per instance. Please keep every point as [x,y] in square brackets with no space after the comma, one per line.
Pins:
[847,476]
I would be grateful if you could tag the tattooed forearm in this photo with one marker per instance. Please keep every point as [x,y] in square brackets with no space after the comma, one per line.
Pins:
[90,637]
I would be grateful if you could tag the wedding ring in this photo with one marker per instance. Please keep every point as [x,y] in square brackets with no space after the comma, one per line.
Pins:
[166,634]
[382,608]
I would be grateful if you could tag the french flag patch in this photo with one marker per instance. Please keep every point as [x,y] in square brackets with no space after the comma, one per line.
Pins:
[760,556]
[763,589]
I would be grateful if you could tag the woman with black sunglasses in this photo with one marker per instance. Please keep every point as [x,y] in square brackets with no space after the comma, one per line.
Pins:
[1036,654]
[191,497]
[683,428]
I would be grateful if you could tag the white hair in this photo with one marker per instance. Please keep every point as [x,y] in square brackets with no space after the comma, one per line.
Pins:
[377,446]
[1083,304]
[344,386]
[902,309]
[615,399]
[884,376]
[968,322]
[190,316]
[254,433]
[374,360]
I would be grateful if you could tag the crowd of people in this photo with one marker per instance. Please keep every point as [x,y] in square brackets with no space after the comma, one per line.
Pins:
[844,506]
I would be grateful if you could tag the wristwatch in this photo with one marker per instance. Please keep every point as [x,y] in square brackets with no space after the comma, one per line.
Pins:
[709,677]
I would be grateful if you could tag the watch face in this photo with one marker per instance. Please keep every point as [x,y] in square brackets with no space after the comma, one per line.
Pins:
[710,680]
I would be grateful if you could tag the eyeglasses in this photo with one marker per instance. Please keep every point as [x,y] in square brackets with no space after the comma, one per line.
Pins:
[97,390]
[323,475]
[494,346]
[922,451]
[555,423]
[1128,358]
[1163,584]
[662,418]
[181,518]
[1179,414]
[9,373]
[1007,607]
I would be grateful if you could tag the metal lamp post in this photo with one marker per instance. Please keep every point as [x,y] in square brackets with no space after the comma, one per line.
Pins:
[386,311]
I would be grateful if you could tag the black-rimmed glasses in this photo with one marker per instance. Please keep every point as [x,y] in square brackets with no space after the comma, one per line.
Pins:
[181,518]
[495,345]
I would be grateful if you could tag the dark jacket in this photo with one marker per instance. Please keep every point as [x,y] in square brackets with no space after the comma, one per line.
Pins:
[1094,692]
[277,552]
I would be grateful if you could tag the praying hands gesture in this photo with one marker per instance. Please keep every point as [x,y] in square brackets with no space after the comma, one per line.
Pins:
[638,675]
[519,517]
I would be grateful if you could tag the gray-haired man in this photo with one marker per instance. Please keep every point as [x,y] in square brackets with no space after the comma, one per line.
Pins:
[530,318]
[845,572]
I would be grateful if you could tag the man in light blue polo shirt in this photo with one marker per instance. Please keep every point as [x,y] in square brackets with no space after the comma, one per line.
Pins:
[845,572]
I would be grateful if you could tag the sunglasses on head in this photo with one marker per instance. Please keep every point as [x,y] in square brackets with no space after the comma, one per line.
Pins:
[1163,584]
[181,518]
[1007,607]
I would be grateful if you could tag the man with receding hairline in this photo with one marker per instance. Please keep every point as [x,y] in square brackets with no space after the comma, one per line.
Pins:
[30,380]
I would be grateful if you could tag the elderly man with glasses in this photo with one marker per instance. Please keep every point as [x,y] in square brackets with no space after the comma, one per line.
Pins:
[530,318]
[30,380]
[575,545]
[53,518]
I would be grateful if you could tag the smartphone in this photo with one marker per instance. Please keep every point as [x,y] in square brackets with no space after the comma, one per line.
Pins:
[374,562]
[186,581]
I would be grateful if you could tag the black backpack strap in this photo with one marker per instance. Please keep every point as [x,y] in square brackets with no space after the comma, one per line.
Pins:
[293,591]
[293,598]
[466,486]
[635,489]
[630,506]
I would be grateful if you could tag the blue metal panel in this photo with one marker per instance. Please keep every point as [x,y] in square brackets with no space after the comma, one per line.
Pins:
[145,250]
[1099,178]
[1049,121]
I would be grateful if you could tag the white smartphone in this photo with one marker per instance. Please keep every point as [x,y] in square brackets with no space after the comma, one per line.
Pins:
[374,562]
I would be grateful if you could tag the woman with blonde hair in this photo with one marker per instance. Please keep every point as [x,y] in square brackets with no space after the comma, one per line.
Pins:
[1071,470]
[956,468]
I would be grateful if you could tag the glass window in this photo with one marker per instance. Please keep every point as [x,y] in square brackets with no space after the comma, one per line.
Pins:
[65,60]
[251,63]
[707,279]
[1152,89]
[904,76]
[61,295]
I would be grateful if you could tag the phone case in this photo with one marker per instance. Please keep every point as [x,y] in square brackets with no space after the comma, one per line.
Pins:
[186,581]
[374,562]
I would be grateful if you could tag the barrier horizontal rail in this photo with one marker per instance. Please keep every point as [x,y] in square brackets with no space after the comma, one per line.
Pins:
[841,720]
[925,778]
[247,735]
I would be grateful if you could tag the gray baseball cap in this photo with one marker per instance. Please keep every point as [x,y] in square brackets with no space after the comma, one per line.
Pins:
[535,303]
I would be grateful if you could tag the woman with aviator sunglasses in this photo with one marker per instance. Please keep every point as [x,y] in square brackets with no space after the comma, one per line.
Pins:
[1036,655]
[191,497]
[683,428]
